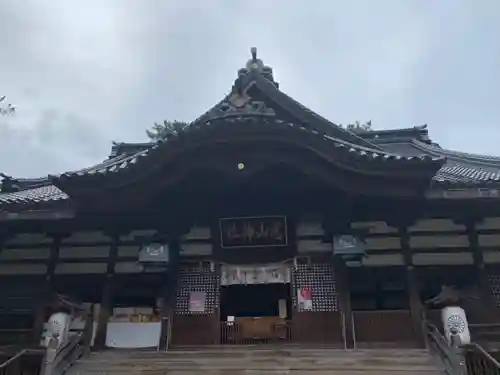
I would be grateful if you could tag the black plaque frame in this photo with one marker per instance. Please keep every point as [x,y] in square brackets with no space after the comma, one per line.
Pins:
[223,222]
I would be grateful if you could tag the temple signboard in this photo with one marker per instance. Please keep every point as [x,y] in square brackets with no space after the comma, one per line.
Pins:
[253,231]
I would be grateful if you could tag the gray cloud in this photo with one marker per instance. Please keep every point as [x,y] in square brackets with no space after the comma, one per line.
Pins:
[85,73]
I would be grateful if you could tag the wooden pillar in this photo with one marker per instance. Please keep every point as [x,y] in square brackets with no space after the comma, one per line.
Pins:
[46,299]
[169,293]
[481,275]
[167,306]
[341,274]
[412,286]
[340,224]
[106,308]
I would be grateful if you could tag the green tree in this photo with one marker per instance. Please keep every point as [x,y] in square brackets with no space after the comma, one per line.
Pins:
[162,131]
[359,127]
[5,108]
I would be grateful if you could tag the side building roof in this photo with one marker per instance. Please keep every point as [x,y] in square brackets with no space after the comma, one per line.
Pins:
[460,167]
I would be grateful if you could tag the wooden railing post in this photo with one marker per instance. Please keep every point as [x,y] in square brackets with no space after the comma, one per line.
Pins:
[49,357]
[88,333]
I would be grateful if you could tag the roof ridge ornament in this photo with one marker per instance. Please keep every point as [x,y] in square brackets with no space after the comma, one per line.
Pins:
[257,66]
[254,64]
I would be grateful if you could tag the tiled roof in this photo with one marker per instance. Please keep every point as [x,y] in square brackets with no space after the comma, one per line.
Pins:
[121,162]
[48,192]
[34,195]
[460,167]
[40,190]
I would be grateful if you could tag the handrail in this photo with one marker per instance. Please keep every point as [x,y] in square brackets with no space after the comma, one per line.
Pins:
[479,361]
[14,358]
[58,358]
[453,362]
[478,348]
[13,364]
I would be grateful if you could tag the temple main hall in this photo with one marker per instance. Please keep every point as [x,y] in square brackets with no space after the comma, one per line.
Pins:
[259,222]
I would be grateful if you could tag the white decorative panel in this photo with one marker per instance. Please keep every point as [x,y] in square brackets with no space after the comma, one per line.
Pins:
[489,223]
[13,254]
[79,268]
[383,243]
[23,269]
[30,238]
[437,241]
[436,225]
[489,240]
[71,252]
[192,249]
[138,233]
[311,246]
[491,256]
[381,260]
[199,233]
[87,237]
[310,228]
[374,227]
[127,267]
[128,251]
[428,259]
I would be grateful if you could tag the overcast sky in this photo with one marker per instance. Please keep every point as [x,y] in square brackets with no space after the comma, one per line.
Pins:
[85,73]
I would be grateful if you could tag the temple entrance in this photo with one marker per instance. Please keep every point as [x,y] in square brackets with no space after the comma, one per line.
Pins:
[255,300]
[255,304]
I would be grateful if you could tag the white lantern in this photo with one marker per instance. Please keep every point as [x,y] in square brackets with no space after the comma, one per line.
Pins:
[455,319]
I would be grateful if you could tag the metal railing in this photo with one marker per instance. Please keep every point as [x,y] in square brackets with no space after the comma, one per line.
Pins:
[448,354]
[13,365]
[61,356]
[479,362]
[234,333]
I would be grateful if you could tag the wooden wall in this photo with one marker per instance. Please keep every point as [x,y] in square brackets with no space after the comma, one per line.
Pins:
[86,259]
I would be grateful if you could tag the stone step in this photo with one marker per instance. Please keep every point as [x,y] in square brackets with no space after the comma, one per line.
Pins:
[258,362]
[256,367]
[261,354]
[264,372]
[322,364]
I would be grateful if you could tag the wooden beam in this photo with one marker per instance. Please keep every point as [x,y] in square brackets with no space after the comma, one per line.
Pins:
[412,285]
[465,193]
[37,215]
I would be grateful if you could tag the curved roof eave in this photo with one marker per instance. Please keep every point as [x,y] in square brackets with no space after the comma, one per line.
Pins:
[459,156]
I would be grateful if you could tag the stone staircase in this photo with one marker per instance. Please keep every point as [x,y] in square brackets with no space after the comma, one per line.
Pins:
[259,361]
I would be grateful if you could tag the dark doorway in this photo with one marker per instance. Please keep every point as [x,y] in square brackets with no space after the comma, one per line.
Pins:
[254,300]
[378,288]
